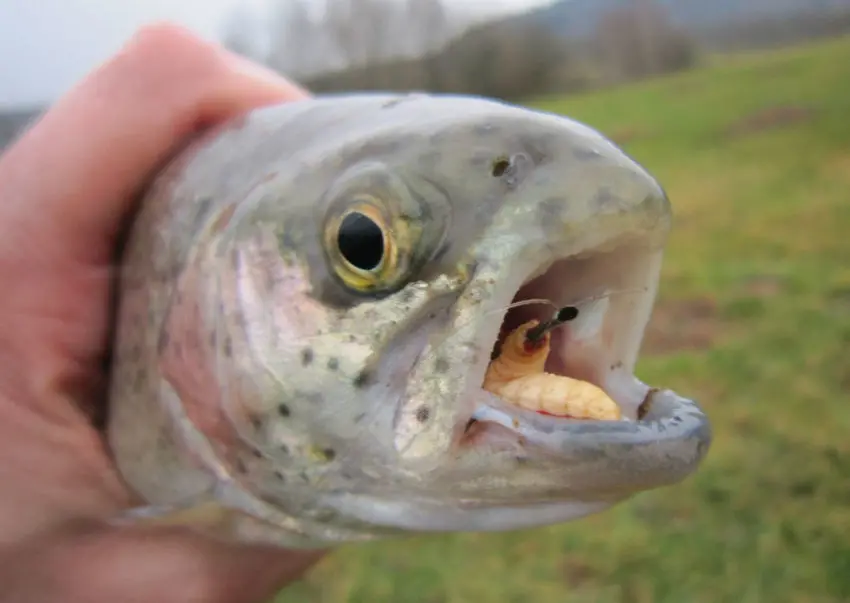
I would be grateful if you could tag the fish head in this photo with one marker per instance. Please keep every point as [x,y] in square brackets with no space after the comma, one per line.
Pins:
[363,280]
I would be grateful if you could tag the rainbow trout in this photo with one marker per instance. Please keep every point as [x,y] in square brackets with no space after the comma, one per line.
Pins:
[311,297]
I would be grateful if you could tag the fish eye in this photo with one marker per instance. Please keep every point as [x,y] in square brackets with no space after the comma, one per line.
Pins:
[361,241]
[378,229]
[362,247]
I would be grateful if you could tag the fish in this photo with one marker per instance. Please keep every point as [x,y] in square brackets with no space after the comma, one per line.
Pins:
[310,296]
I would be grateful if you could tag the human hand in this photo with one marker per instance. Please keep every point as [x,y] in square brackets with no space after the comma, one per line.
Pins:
[65,188]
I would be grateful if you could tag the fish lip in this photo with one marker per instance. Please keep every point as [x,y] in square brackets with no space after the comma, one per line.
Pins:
[663,447]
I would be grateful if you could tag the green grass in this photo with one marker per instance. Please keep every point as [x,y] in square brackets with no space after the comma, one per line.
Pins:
[761,238]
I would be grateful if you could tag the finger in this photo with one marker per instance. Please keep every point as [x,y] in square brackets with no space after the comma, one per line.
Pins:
[68,181]
[140,567]
[67,184]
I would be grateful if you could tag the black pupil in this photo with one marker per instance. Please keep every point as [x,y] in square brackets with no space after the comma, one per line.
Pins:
[360,241]
[567,314]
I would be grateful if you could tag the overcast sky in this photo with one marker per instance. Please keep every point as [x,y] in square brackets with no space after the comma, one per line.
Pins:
[47,45]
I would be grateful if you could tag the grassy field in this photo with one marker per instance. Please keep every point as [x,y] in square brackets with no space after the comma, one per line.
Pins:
[753,319]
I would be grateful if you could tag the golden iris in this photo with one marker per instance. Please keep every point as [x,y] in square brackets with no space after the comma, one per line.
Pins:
[362,247]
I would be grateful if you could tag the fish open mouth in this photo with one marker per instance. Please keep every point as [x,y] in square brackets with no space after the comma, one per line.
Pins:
[610,294]
[607,298]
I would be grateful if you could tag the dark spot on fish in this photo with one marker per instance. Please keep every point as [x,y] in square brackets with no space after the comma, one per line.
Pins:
[257,453]
[441,365]
[522,460]
[605,198]
[363,378]
[283,410]
[256,422]
[407,296]
[616,365]
[329,454]
[306,356]
[423,413]
[359,417]
[284,448]
[333,364]
[352,338]
[279,475]
[227,347]
[239,464]
[212,337]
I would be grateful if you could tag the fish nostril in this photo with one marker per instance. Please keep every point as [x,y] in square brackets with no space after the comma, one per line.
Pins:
[500,166]
[511,169]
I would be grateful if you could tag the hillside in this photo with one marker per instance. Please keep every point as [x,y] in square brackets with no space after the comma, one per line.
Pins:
[580,17]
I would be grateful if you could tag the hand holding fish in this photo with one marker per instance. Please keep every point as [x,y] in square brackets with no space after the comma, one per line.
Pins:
[328,327]
[66,186]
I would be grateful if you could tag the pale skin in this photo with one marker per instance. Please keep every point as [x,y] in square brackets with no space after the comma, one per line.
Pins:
[65,187]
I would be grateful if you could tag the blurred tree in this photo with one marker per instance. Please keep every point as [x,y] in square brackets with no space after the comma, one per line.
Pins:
[507,59]
[308,37]
[640,39]
[240,32]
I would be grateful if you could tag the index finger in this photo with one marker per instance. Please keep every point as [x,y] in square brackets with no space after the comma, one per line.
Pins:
[68,182]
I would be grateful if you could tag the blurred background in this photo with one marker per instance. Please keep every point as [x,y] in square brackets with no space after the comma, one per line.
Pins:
[742,109]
